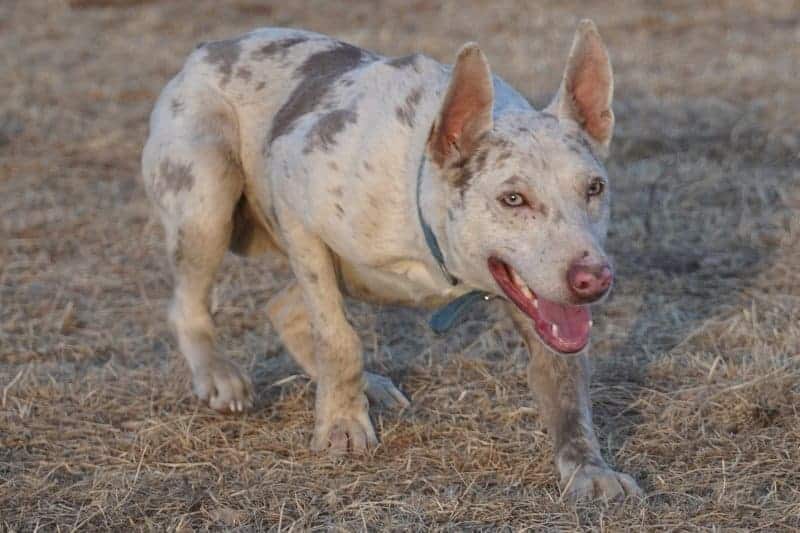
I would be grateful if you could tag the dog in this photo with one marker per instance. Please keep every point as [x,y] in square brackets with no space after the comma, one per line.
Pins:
[391,180]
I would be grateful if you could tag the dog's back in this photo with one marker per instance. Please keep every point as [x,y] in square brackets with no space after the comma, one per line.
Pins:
[274,99]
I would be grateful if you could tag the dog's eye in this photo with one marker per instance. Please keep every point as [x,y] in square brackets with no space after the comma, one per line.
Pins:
[596,187]
[513,199]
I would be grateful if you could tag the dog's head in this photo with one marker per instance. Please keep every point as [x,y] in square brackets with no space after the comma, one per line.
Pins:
[527,194]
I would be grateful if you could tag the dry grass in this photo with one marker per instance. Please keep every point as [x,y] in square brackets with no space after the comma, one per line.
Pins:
[697,354]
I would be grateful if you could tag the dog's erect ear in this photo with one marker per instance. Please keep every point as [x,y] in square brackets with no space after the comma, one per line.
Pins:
[588,87]
[467,107]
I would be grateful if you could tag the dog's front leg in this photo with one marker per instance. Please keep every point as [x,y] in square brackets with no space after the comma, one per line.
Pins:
[342,417]
[561,385]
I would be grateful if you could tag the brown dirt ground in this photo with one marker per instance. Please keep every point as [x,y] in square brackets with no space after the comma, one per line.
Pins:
[697,354]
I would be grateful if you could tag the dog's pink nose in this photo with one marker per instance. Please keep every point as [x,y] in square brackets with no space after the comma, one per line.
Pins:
[589,282]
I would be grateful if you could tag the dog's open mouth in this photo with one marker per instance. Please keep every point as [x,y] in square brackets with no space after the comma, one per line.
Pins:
[564,328]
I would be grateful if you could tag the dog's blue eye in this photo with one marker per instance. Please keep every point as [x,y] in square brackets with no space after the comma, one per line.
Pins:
[596,187]
[513,199]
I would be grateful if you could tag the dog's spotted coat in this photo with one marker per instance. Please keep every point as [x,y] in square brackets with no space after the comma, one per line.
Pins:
[285,141]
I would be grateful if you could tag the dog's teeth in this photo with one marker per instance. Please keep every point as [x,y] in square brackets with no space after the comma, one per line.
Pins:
[521,285]
[591,323]
[516,279]
[554,330]
[536,303]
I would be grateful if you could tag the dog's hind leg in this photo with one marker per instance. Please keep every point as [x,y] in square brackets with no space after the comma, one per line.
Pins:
[192,176]
[289,317]
[196,250]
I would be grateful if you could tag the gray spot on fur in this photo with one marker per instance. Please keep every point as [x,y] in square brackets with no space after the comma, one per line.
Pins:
[480,160]
[579,145]
[503,156]
[224,55]
[541,208]
[407,112]
[575,139]
[333,61]
[174,177]
[403,62]
[497,142]
[177,252]
[317,75]
[462,174]
[280,48]
[244,73]
[339,209]
[322,134]
[463,170]
[261,85]
[176,106]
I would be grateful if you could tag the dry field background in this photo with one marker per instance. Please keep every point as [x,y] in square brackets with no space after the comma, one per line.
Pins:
[697,355]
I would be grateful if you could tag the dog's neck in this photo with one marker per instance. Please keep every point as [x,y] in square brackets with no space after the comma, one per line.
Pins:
[428,233]
[444,318]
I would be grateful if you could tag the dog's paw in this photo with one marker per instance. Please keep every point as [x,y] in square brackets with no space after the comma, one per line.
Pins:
[381,391]
[343,430]
[223,386]
[591,482]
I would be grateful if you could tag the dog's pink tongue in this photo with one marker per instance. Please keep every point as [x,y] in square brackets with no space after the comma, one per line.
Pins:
[573,321]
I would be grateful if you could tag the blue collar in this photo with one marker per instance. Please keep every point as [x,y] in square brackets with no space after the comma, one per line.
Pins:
[445,317]
[430,238]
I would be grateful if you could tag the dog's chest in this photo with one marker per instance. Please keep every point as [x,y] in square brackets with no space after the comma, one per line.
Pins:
[408,283]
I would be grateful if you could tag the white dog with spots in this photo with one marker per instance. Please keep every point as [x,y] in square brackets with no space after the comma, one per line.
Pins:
[401,181]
